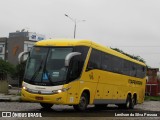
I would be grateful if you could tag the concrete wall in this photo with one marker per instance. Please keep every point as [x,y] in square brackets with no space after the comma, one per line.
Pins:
[3,86]
[15,46]
[3,48]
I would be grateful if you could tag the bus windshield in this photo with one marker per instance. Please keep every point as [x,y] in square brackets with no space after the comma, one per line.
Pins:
[45,66]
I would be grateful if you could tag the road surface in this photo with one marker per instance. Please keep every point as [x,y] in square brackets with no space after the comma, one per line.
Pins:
[65,112]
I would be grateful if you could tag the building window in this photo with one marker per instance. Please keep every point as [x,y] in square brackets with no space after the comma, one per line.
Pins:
[1,49]
[29,48]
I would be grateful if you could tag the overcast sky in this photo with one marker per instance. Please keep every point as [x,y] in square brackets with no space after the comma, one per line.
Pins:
[130,25]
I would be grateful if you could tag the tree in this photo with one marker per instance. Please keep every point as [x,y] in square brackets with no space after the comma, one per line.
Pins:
[20,69]
[131,56]
[6,69]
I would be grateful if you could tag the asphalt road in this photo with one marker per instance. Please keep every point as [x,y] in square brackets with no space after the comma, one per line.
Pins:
[67,112]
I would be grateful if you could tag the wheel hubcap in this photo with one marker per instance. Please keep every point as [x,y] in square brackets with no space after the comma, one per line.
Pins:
[128,103]
[82,103]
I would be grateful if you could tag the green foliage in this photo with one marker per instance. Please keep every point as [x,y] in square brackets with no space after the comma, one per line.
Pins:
[20,69]
[15,72]
[152,98]
[6,69]
[131,56]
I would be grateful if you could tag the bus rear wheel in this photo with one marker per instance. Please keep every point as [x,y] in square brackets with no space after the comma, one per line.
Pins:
[128,104]
[133,102]
[82,106]
[46,105]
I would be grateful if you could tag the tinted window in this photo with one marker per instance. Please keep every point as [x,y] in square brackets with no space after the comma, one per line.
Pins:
[108,62]
[117,64]
[133,69]
[140,71]
[95,60]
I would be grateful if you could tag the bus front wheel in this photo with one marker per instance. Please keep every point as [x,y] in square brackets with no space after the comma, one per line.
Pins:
[82,103]
[46,105]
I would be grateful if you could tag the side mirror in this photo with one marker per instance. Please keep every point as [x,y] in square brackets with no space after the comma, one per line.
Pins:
[69,56]
[21,55]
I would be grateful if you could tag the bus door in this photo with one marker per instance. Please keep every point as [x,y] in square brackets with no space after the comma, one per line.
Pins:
[93,74]
[74,71]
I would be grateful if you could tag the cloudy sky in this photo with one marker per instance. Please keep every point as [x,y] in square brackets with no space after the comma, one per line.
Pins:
[130,25]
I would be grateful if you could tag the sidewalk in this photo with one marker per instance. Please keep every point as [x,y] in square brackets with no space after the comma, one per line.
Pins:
[12,96]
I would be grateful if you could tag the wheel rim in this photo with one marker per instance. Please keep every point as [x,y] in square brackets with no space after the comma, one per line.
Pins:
[133,102]
[82,103]
[128,104]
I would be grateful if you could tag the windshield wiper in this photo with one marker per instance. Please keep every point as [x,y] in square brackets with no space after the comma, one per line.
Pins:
[37,72]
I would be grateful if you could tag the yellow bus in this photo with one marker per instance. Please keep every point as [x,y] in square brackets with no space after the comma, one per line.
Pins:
[81,73]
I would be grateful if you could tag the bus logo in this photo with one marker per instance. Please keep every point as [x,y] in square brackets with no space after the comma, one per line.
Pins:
[134,82]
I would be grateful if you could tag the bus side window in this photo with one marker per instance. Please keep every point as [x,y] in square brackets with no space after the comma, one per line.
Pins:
[106,59]
[94,60]
[140,71]
[127,68]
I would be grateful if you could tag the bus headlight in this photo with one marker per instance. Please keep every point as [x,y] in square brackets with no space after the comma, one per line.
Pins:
[24,86]
[60,90]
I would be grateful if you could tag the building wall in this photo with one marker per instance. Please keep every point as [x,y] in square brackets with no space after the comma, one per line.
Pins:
[15,46]
[29,35]
[17,42]
[2,50]
[3,47]
[152,74]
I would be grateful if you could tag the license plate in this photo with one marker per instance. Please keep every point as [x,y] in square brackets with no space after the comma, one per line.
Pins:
[39,98]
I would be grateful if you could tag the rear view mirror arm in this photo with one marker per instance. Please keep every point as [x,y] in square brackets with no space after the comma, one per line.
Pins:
[21,55]
[69,56]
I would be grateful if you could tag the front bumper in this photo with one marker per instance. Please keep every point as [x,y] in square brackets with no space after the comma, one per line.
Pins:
[59,98]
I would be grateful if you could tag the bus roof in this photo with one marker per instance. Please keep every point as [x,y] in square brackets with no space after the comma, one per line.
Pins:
[82,42]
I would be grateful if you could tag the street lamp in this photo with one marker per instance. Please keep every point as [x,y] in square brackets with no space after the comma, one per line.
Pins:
[75,23]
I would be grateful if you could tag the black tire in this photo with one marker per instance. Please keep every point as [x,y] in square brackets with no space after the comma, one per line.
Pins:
[100,106]
[133,102]
[46,105]
[84,101]
[128,104]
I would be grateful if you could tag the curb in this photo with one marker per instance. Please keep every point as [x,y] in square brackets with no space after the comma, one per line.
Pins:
[4,99]
[9,98]
[16,99]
